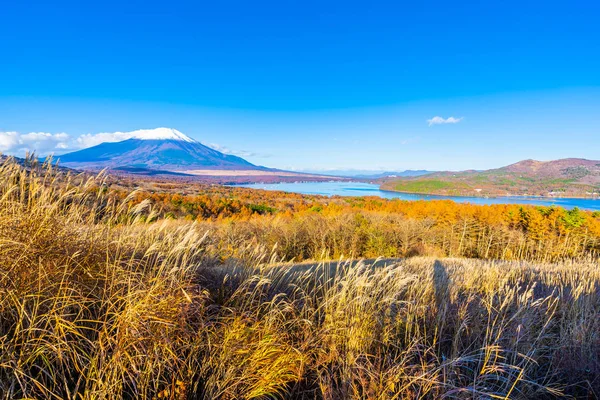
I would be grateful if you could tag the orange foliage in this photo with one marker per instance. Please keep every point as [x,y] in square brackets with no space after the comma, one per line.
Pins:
[378,226]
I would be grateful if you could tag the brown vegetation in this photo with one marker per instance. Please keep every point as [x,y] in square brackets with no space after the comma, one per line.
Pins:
[313,227]
[108,297]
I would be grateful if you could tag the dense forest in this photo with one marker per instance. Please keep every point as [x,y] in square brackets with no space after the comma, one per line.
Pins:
[312,227]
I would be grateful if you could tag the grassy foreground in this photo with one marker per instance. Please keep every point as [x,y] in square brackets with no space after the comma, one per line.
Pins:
[98,303]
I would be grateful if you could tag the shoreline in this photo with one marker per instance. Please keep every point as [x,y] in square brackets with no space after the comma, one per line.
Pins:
[583,203]
[523,196]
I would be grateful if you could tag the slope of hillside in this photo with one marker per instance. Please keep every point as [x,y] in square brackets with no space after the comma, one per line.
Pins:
[570,177]
[157,154]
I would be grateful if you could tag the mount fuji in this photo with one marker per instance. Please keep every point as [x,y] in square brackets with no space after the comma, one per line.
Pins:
[160,149]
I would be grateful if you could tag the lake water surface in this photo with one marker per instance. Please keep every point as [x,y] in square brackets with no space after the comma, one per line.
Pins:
[367,189]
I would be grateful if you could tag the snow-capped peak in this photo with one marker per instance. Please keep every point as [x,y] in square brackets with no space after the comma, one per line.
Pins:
[160,134]
[93,139]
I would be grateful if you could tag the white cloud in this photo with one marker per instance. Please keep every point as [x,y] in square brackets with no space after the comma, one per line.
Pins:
[89,139]
[440,120]
[94,139]
[239,153]
[8,140]
[42,143]
[227,150]
[410,140]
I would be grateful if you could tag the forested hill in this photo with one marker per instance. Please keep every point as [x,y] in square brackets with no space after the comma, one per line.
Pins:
[569,177]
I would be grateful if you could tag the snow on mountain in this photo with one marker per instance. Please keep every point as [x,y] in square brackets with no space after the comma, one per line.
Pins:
[89,140]
[159,134]
[155,149]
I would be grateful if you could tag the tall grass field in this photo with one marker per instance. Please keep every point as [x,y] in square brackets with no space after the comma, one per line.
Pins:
[105,298]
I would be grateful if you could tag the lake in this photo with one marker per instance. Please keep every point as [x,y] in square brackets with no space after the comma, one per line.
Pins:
[367,189]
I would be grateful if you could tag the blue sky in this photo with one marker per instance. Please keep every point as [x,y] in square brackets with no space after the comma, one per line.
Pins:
[313,85]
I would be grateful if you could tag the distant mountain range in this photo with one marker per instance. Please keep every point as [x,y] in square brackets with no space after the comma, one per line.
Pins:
[370,174]
[165,151]
[391,174]
[570,177]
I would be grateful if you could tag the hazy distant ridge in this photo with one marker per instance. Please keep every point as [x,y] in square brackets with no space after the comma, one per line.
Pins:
[370,174]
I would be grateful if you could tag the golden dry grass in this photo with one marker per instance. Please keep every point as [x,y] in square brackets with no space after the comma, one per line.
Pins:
[98,303]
